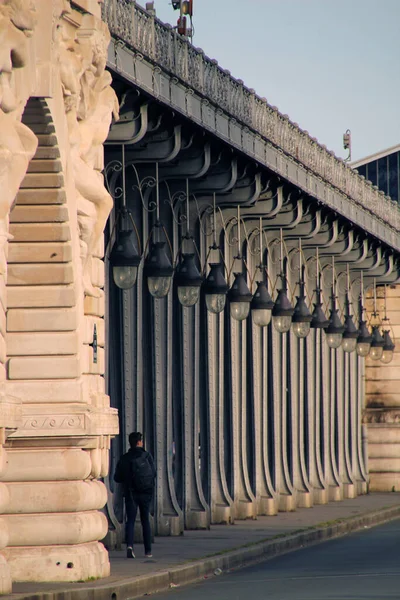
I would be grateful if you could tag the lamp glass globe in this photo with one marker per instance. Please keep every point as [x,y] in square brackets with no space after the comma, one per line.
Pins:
[334,339]
[349,344]
[282,323]
[188,295]
[363,349]
[301,329]
[215,302]
[376,352]
[240,310]
[261,316]
[124,277]
[159,286]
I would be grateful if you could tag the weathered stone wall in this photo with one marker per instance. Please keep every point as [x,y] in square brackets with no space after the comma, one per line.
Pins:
[56,105]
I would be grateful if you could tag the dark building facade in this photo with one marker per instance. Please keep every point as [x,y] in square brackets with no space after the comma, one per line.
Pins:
[383,169]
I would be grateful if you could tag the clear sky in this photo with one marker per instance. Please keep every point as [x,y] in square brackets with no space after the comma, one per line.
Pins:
[331,65]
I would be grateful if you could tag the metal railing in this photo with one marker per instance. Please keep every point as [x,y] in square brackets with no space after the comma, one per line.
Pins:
[162,45]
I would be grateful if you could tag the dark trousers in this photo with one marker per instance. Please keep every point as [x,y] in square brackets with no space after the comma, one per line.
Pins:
[133,501]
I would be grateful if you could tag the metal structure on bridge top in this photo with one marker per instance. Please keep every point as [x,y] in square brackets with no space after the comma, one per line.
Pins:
[242,419]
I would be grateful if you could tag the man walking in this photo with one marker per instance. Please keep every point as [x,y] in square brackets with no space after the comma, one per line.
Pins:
[136,471]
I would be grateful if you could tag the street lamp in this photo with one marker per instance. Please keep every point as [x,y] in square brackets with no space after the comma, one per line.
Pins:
[188,280]
[158,269]
[302,317]
[364,339]
[283,310]
[377,344]
[240,297]
[261,305]
[335,329]
[215,288]
[318,317]
[125,255]
[388,348]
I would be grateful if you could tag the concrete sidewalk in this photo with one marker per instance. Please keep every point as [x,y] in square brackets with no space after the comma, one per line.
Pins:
[197,554]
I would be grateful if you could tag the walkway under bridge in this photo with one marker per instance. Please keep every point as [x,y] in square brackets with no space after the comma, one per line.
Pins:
[242,419]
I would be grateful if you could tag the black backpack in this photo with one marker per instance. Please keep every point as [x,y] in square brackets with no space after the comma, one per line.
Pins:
[141,474]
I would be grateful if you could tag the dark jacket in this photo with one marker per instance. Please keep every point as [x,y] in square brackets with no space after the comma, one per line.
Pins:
[122,471]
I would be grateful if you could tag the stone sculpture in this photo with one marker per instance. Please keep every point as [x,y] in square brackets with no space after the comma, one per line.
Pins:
[17,142]
[90,103]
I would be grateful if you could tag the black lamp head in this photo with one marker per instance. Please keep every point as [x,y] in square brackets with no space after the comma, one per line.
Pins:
[215,282]
[239,291]
[125,251]
[335,325]
[158,263]
[282,306]
[301,312]
[262,299]
[364,335]
[187,273]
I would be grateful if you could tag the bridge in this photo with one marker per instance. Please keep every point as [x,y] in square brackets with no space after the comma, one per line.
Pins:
[240,350]
[249,294]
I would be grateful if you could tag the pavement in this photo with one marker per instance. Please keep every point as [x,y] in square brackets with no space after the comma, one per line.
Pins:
[205,553]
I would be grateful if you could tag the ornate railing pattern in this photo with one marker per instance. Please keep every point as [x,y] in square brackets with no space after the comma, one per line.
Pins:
[162,45]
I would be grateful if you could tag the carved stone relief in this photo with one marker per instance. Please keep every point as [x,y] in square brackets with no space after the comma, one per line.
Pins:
[90,103]
[17,142]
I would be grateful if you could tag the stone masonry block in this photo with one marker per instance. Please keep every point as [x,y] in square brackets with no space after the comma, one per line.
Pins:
[40,232]
[3,322]
[36,319]
[48,252]
[37,344]
[57,367]
[41,296]
[88,366]
[94,306]
[98,272]
[46,165]
[57,213]
[41,196]
[89,328]
[42,180]
[40,274]
[53,392]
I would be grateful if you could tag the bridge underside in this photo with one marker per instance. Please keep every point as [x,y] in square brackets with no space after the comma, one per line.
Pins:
[242,420]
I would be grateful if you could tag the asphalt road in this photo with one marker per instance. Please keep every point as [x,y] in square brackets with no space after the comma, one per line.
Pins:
[360,566]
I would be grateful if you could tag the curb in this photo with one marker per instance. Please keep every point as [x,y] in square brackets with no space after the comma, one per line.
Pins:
[243,556]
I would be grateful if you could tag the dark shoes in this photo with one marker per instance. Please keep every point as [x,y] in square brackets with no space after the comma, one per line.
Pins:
[130,553]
